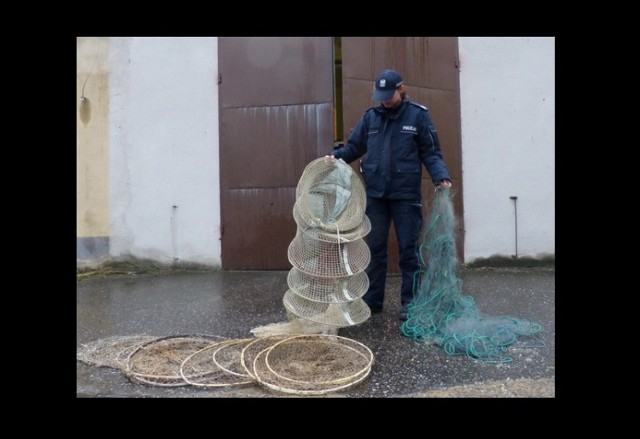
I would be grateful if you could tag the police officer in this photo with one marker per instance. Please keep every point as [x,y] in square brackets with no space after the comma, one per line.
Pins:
[398,137]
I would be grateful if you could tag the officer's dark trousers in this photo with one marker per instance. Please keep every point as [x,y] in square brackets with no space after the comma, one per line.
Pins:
[407,218]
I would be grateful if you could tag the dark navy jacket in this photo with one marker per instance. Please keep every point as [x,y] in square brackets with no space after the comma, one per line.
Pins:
[396,143]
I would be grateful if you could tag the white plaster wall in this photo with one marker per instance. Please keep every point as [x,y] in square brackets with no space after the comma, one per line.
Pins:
[507,93]
[164,150]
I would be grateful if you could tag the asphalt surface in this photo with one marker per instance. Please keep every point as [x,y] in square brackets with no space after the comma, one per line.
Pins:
[228,305]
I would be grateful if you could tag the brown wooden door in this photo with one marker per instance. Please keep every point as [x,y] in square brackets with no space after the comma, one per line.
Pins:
[429,66]
[276,116]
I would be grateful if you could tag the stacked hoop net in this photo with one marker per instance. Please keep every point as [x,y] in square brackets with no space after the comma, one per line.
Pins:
[329,254]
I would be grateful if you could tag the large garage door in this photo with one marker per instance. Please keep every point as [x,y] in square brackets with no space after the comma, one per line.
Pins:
[276,115]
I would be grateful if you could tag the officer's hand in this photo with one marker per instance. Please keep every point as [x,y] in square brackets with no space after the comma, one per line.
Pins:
[329,159]
[444,183]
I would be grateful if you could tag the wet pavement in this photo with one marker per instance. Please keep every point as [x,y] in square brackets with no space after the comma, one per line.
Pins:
[229,304]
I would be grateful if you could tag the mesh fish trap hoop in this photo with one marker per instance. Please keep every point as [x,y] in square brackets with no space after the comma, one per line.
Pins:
[227,357]
[330,196]
[326,289]
[320,234]
[217,365]
[313,364]
[339,314]
[158,361]
[112,351]
[265,377]
[327,259]
[440,312]
[252,349]
[318,359]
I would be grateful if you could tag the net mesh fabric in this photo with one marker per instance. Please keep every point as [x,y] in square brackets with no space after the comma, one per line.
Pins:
[111,351]
[328,289]
[312,364]
[330,196]
[217,365]
[328,259]
[440,313]
[158,361]
[338,314]
[328,253]
[338,235]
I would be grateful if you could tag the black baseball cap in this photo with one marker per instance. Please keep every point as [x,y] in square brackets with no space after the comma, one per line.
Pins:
[386,83]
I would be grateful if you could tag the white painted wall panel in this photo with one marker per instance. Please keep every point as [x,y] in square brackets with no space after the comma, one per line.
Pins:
[165,192]
[507,94]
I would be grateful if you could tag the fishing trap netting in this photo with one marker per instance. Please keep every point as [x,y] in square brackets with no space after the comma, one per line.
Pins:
[328,259]
[311,364]
[329,197]
[159,361]
[440,313]
[329,254]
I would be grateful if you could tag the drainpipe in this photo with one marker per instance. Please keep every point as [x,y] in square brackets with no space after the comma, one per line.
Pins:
[515,210]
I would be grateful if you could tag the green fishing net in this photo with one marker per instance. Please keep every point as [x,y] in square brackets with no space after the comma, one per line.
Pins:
[440,313]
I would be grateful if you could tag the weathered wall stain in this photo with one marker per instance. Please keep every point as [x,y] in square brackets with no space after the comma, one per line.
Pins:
[85,111]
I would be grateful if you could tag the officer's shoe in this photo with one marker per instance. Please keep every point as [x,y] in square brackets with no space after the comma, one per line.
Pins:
[403,315]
